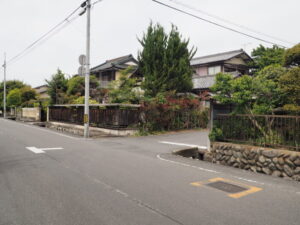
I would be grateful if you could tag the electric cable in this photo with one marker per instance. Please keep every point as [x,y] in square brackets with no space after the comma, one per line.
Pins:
[230,22]
[217,24]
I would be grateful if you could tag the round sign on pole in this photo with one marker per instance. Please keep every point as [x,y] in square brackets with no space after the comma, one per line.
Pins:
[81,71]
[82,60]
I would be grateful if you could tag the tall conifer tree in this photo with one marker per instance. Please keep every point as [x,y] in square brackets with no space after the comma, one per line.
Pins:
[165,61]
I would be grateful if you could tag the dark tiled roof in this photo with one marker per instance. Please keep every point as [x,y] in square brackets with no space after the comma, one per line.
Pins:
[41,86]
[219,57]
[117,63]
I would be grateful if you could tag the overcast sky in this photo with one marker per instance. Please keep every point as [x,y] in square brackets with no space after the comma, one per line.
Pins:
[116,24]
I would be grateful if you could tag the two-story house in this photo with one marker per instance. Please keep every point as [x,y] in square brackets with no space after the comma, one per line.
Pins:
[42,91]
[206,68]
[111,69]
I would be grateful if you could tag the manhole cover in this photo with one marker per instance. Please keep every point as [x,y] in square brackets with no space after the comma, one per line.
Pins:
[227,187]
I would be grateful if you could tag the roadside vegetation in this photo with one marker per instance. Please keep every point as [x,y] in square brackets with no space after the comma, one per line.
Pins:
[272,88]
[273,85]
[164,92]
[19,94]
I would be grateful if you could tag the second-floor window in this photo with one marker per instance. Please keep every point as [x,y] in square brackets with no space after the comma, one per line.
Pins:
[212,70]
[106,77]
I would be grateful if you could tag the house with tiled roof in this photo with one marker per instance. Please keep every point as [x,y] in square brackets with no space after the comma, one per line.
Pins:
[206,67]
[111,69]
[42,91]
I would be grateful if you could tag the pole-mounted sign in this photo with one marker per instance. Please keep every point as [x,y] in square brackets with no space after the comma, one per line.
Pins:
[82,60]
[82,69]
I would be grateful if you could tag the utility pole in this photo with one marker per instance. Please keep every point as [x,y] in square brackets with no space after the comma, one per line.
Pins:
[87,75]
[4,84]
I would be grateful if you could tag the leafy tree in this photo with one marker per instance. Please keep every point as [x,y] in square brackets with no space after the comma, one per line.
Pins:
[10,85]
[290,85]
[239,92]
[27,94]
[76,86]
[125,89]
[57,88]
[250,95]
[269,95]
[165,61]
[223,88]
[14,98]
[292,56]
[264,56]
[80,100]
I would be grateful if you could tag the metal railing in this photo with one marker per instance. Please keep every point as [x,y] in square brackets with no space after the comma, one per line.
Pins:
[264,130]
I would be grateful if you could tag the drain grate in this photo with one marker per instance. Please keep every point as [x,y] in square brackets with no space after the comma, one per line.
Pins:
[227,187]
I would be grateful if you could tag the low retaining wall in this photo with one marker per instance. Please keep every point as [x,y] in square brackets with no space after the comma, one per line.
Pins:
[94,131]
[30,114]
[280,163]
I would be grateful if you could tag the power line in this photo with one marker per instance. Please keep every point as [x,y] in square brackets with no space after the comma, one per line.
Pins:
[54,30]
[230,22]
[217,24]
[41,41]
[96,2]
[66,20]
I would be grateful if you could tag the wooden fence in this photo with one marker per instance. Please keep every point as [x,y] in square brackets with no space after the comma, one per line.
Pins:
[119,116]
[105,116]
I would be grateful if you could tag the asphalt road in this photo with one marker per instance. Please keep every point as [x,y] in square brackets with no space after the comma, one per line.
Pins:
[128,181]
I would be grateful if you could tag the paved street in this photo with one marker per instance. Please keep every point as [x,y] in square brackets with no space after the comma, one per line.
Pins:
[128,181]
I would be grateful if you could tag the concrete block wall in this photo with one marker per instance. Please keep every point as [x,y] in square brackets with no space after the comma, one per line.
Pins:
[32,114]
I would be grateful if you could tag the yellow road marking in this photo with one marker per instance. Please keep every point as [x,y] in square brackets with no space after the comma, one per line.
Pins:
[196,184]
[250,189]
[244,193]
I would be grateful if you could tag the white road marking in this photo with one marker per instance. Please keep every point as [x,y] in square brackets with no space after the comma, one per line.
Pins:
[187,165]
[42,150]
[49,149]
[251,181]
[35,150]
[183,144]
[207,170]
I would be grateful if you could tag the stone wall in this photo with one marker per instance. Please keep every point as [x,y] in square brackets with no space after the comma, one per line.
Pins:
[275,162]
